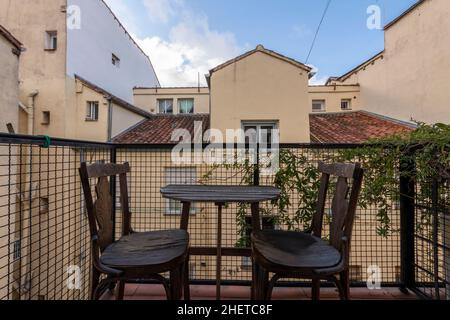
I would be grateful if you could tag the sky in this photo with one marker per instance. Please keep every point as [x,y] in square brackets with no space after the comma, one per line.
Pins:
[185,38]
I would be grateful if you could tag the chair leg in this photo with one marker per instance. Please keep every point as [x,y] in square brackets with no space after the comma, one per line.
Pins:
[95,282]
[120,290]
[261,282]
[344,280]
[271,286]
[315,289]
[175,283]
[187,290]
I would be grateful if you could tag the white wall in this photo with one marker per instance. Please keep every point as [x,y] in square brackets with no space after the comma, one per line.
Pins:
[90,48]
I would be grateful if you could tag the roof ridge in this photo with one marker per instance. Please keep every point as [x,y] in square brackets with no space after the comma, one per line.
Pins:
[261,48]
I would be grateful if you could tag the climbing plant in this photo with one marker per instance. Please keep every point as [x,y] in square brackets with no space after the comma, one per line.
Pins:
[384,160]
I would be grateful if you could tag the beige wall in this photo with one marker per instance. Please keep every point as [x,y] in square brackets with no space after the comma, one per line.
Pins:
[333,95]
[90,130]
[123,119]
[147,98]
[413,78]
[262,88]
[40,70]
[9,84]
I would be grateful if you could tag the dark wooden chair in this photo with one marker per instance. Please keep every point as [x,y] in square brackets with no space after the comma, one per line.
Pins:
[305,255]
[136,257]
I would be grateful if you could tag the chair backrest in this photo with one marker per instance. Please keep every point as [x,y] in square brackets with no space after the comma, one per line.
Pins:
[100,211]
[344,202]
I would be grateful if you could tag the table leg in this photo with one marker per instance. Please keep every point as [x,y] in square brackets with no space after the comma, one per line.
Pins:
[219,251]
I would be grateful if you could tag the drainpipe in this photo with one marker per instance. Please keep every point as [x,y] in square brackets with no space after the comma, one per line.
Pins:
[31,100]
[110,116]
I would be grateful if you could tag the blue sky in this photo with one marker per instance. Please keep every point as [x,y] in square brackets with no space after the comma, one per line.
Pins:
[187,37]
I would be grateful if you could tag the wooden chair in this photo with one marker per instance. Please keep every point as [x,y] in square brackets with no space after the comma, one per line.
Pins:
[136,257]
[304,255]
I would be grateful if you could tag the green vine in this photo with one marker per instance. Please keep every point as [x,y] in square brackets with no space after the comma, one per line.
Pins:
[384,160]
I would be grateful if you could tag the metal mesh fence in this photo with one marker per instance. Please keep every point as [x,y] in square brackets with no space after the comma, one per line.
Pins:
[44,235]
[432,238]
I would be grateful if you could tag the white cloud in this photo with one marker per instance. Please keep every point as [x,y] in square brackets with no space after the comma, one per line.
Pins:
[192,48]
[162,10]
[316,80]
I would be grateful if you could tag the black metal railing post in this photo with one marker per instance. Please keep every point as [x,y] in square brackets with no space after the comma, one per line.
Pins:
[113,186]
[256,172]
[407,225]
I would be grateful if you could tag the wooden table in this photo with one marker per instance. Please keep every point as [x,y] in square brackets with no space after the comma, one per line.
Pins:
[220,195]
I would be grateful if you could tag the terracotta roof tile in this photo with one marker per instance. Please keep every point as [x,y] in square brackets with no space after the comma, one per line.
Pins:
[353,127]
[159,128]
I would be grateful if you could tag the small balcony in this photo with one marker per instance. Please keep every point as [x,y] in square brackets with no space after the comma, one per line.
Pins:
[400,246]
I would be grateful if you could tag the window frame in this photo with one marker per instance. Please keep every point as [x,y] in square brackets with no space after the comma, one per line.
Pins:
[184,100]
[89,114]
[51,40]
[165,106]
[46,118]
[259,125]
[115,60]
[349,106]
[323,103]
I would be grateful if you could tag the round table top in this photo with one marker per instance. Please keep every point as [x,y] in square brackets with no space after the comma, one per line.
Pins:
[220,194]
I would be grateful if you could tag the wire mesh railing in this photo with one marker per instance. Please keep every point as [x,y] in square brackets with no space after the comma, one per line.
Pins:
[44,234]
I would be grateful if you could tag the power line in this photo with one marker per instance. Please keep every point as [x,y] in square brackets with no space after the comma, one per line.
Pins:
[318,29]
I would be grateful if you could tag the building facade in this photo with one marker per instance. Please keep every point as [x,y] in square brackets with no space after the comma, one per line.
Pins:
[10,51]
[65,38]
[410,79]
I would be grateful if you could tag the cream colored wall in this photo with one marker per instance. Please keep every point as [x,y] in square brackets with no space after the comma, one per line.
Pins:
[90,130]
[333,95]
[39,69]
[147,98]
[261,87]
[413,79]
[9,84]
[123,119]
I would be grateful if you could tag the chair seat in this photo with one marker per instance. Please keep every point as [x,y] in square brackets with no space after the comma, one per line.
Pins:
[295,250]
[146,249]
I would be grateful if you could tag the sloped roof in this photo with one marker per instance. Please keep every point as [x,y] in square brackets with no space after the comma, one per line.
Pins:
[159,128]
[271,53]
[122,103]
[354,127]
[13,40]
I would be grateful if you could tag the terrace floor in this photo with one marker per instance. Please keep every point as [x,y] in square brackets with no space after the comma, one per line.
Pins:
[203,292]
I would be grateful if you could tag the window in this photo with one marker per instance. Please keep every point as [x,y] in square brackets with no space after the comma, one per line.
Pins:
[43,205]
[186,175]
[92,111]
[318,105]
[259,132]
[17,250]
[165,106]
[186,106]
[115,60]
[45,117]
[51,40]
[346,104]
